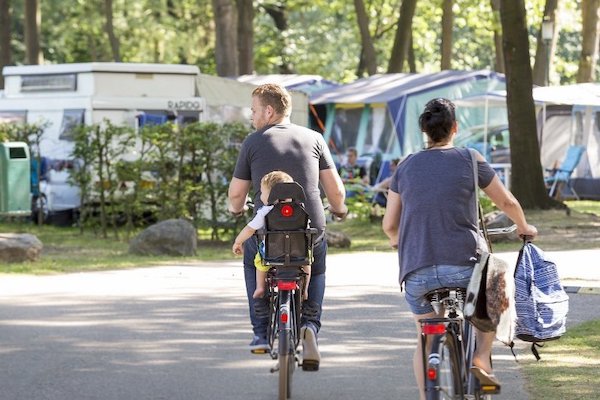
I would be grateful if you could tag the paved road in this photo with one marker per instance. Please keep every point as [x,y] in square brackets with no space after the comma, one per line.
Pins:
[181,332]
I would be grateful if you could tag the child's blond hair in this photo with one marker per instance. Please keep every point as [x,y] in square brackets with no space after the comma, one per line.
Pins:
[273,177]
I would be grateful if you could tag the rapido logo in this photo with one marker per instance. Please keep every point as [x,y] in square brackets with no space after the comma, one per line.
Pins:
[184,105]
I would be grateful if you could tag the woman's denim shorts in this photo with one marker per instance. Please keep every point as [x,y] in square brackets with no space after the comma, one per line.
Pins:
[426,279]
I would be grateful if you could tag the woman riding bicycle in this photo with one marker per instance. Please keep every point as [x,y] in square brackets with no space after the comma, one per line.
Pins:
[430,217]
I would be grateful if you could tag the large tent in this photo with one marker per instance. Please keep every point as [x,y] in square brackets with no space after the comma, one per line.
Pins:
[379,114]
[567,115]
[308,84]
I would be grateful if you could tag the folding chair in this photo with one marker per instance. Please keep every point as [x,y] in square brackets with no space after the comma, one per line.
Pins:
[561,177]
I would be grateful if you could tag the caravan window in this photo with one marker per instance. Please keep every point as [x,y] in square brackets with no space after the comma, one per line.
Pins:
[47,83]
[71,120]
[13,116]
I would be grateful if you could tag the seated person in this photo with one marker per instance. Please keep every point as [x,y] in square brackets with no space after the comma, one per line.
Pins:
[382,187]
[258,222]
[354,176]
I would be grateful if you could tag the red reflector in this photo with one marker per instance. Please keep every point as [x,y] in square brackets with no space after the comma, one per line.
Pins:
[431,374]
[434,329]
[284,318]
[287,210]
[286,285]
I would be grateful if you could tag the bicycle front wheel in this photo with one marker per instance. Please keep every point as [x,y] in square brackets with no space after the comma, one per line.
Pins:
[444,382]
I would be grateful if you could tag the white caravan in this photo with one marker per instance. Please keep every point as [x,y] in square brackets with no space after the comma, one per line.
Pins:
[67,95]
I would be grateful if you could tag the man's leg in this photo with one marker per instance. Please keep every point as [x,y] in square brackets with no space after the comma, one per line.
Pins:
[261,321]
[311,310]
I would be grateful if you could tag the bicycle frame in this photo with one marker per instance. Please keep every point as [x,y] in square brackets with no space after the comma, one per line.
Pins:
[454,334]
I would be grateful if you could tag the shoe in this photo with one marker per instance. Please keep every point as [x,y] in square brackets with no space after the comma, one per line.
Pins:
[488,382]
[259,345]
[311,358]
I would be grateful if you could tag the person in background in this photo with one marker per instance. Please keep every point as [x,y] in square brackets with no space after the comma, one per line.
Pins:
[278,144]
[431,218]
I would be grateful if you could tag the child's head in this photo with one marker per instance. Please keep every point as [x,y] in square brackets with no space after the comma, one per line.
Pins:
[269,180]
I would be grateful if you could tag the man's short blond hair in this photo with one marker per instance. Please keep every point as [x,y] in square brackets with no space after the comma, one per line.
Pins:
[274,177]
[276,96]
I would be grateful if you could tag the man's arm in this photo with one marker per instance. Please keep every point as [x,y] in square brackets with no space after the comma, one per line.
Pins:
[334,190]
[238,190]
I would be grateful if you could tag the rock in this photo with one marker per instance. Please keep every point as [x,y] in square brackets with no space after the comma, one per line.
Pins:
[19,247]
[173,237]
[337,239]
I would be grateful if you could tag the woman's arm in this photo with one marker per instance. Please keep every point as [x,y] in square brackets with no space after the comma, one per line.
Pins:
[391,219]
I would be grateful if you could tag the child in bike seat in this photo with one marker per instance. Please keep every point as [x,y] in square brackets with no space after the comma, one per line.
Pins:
[258,222]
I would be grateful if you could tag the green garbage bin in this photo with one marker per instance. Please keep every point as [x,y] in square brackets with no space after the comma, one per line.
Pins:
[15,179]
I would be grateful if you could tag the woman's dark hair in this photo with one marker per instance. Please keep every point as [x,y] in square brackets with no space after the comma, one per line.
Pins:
[437,119]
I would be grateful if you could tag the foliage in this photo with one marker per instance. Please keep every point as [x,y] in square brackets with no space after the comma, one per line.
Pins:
[321,36]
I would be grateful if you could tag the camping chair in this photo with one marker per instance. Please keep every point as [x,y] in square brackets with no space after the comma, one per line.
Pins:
[288,238]
[561,177]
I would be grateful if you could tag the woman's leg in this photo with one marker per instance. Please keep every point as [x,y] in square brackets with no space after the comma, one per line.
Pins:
[483,352]
[418,356]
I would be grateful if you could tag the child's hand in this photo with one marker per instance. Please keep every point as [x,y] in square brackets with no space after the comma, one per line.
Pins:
[237,248]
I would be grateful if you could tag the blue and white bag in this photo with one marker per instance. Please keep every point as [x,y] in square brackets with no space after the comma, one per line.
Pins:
[541,302]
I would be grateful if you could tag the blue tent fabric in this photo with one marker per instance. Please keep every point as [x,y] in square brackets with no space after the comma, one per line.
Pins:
[395,91]
[308,84]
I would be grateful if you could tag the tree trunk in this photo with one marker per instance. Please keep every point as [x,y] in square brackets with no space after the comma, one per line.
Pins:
[499,64]
[32,32]
[545,51]
[5,54]
[447,24]
[527,181]
[590,10]
[226,37]
[278,13]
[412,65]
[110,30]
[245,36]
[368,56]
[402,38]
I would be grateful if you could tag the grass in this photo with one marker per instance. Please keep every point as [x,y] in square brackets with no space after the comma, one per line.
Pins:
[568,368]
[66,250]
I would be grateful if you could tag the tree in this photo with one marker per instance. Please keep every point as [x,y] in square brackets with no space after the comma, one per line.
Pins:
[32,32]
[245,36]
[499,60]
[527,182]
[368,56]
[403,36]
[5,53]
[590,10]
[447,24]
[225,14]
[545,51]
[110,30]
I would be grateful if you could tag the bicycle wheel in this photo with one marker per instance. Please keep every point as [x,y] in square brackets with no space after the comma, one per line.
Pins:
[286,347]
[444,360]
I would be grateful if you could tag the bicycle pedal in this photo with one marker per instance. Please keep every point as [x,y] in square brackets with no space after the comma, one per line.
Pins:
[490,389]
[259,351]
[310,365]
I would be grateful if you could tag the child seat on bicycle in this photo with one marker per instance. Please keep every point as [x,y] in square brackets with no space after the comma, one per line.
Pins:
[287,236]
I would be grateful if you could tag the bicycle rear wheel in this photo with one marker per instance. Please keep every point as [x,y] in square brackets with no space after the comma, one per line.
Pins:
[443,380]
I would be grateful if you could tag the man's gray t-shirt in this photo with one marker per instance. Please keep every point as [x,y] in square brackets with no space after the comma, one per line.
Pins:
[299,151]
[438,223]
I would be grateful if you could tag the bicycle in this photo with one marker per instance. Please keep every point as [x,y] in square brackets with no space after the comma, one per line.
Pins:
[452,344]
[288,243]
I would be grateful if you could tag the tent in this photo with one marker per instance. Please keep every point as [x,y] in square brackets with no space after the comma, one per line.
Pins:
[228,100]
[567,115]
[308,84]
[379,114]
